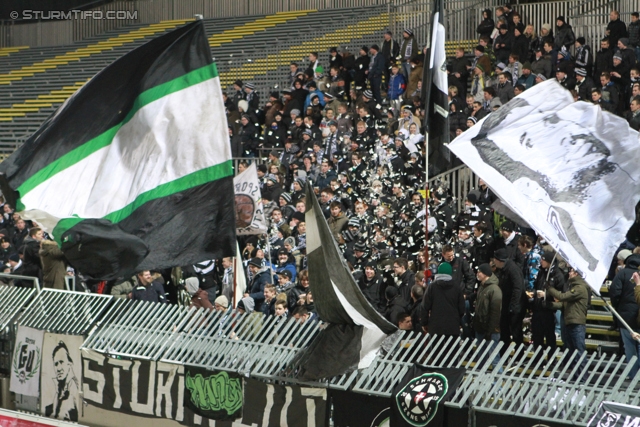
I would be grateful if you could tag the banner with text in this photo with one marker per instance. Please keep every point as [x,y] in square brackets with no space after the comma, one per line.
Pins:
[190,395]
[25,366]
[611,414]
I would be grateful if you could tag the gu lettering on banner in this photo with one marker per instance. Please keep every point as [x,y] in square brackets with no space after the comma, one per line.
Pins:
[249,210]
[60,379]
[570,170]
[25,365]
[213,395]
[611,414]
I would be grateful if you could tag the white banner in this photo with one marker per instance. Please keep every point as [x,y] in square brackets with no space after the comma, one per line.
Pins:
[25,365]
[61,373]
[569,169]
[249,210]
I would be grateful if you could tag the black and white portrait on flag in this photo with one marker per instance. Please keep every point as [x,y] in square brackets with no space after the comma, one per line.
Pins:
[568,169]
[61,374]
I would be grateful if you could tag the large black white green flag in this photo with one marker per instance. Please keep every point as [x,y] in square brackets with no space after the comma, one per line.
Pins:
[435,91]
[567,168]
[249,210]
[25,365]
[355,329]
[134,171]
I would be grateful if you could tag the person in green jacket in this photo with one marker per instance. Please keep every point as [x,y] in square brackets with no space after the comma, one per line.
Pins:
[486,321]
[574,305]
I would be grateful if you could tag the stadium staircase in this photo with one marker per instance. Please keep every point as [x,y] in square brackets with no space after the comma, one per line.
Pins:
[35,81]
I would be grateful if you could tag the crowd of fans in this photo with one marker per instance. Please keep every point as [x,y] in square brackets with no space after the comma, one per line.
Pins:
[351,129]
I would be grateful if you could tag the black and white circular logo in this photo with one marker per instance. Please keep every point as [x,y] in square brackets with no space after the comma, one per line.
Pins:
[418,400]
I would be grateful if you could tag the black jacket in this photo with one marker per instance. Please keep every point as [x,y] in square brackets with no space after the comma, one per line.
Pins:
[513,252]
[483,248]
[556,281]
[617,30]
[622,292]
[462,275]
[407,280]
[393,309]
[512,285]
[604,62]
[486,27]
[371,290]
[584,89]
[444,303]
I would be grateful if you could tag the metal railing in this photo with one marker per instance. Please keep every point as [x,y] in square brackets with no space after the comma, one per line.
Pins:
[459,181]
[525,381]
[36,282]
[545,386]
[12,301]
[65,312]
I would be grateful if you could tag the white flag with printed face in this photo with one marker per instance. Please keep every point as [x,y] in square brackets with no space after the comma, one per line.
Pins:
[249,210]
[25,365]
[567,168]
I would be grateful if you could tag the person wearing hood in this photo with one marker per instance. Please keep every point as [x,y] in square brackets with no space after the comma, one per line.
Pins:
[369,284]
[444,304]
[260,277]
[623,300]
[486,321]
[511,283]
[7,249]
[564,35]
[395,304]
[54,265]
[485,28]
[199,297]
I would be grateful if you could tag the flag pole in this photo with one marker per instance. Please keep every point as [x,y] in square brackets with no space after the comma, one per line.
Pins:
[426,205]
[613,311]
[235,282]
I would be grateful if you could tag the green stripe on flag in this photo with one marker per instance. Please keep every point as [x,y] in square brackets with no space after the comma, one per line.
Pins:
[187,182]
[74,156]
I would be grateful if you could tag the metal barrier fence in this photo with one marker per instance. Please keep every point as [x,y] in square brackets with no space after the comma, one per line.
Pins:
[12,301]
[64,312]
[532,383]
[459,181]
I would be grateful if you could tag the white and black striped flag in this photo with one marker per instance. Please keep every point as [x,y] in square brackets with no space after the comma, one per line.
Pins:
[355,329]
[569,169]
[134,171]
[435,91]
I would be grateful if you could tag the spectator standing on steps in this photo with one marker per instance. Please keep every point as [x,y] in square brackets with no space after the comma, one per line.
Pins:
[574,305]
[486,321]
[623,300]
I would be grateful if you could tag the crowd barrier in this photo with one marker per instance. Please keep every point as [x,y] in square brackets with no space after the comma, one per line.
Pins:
[140,360]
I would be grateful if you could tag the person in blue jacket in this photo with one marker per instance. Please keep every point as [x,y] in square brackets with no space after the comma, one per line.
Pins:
[286,261]
[261,276]
[397,86]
